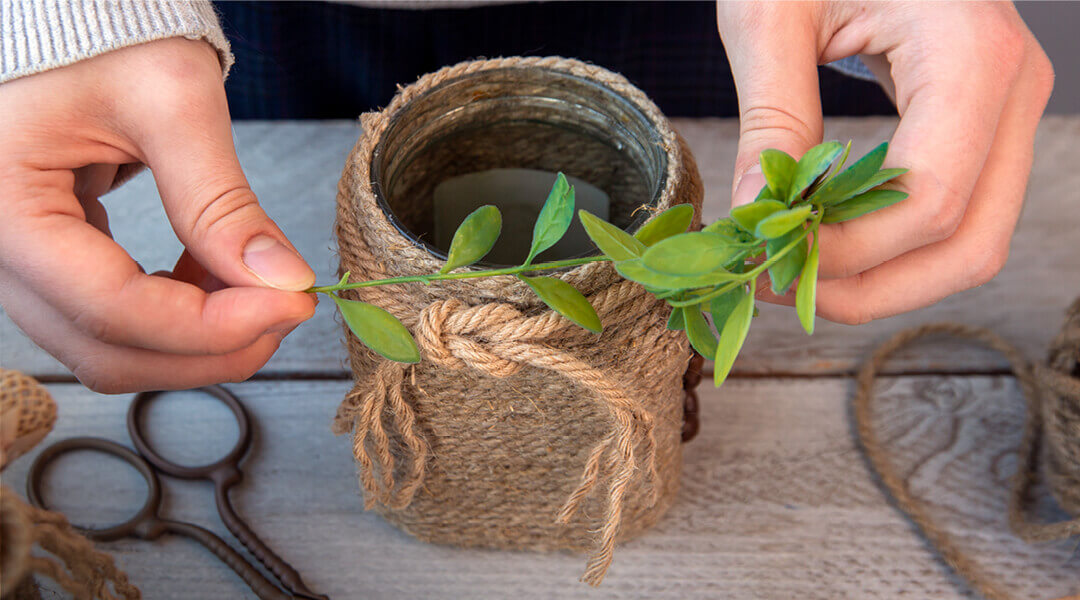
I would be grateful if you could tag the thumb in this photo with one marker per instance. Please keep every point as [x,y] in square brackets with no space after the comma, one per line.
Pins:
[213,209]
[772,49]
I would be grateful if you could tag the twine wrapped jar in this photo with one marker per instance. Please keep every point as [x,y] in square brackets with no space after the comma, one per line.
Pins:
[518,429]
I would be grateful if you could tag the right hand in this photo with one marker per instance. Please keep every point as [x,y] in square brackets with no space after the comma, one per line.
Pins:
[970,82]
[235,291]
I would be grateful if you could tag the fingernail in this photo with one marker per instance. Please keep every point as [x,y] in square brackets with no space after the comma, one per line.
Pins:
[276,265]
[749,185]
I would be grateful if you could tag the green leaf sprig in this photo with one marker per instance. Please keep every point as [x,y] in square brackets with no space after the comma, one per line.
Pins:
[708,277]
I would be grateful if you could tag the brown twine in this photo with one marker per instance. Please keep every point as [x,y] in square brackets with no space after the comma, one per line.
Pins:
[71,561]
[504,341]
[1052,392]
[27,414]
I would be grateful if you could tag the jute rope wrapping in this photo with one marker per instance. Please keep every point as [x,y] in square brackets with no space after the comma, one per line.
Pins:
[1051,433]
[518,429]
[27,414]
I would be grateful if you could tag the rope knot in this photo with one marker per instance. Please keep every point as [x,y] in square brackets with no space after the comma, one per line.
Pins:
[443,334]
[430,337]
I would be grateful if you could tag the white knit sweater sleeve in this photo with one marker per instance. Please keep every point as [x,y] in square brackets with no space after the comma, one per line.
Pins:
[37,35]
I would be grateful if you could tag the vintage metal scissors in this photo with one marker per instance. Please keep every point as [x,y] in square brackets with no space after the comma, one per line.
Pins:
[148,524]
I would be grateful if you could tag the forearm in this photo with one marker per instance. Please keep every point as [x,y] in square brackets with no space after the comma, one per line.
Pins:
[38,35]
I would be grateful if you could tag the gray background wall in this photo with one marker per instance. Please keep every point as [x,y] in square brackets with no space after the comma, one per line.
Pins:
[1056,24]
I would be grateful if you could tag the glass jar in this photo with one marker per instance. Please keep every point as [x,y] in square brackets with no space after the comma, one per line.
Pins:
[516,117]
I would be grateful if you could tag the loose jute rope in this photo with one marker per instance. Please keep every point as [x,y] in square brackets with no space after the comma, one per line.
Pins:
[1052,391]
[70,560]
[27,414]
[611,403]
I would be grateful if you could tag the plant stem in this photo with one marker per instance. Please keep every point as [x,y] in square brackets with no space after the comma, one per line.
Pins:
[558,264]
[573,262]
[753,273]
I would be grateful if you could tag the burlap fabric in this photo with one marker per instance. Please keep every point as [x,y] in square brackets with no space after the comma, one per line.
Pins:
[37,542]
[1050,444]
[28,414]
[518,429]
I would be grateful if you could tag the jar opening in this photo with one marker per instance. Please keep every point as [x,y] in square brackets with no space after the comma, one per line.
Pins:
[524,118]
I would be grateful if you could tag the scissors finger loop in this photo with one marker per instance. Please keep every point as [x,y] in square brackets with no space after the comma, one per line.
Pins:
[232,459]
[127,528]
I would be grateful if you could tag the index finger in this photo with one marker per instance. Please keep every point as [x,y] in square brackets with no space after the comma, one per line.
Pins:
[95,284]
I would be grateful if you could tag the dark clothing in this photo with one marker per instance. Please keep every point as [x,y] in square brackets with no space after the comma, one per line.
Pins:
[304,60]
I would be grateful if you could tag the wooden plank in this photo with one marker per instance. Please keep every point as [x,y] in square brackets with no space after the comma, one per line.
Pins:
[776,501]
[294,167]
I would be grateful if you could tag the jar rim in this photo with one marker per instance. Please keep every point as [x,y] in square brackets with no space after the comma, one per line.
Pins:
[405,112]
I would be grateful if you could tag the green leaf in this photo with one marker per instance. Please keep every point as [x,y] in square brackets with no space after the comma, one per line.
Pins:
[812,164]
[879,178]
[732,336]
[693,253]
[839,166]
[779,169]
[806,293]
[564,299]
[615,243]
[554,218]
[843,158]
[473,238]
[748,215]
[676,322]
[697,330]
[634,270]
[721,306]
[672,221]
[847,184]
[781,222]
[378,330]
[725,227]
[862,204]
[784,271]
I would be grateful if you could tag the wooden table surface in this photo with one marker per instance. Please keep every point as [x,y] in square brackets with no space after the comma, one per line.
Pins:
[776,499]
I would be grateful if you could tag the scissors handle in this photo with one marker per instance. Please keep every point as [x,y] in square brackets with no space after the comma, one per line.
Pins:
[284,572]
[259,584]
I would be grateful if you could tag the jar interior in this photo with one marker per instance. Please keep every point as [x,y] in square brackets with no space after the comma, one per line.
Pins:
[517,118]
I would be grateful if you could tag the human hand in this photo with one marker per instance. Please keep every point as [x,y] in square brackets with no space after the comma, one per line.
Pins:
[234,293]
[970,82]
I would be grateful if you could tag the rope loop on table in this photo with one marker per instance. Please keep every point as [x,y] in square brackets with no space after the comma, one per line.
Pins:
[1052,392]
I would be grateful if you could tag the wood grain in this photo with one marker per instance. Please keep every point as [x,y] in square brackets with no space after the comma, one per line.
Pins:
[294,168]
[776,501]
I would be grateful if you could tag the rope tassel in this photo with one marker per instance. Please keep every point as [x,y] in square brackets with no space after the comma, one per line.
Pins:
[362,412]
